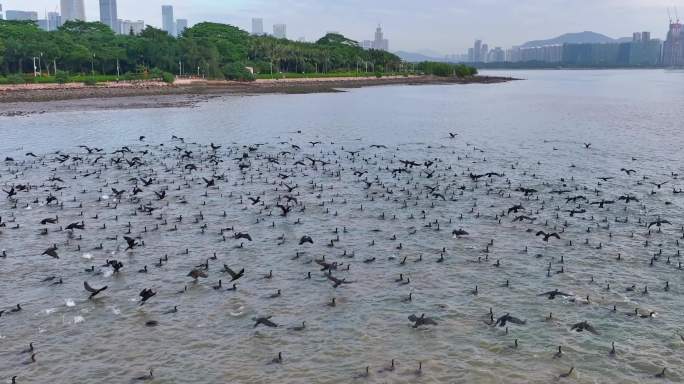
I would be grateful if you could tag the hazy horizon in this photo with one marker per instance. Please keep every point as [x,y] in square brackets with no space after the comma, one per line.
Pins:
[437,26]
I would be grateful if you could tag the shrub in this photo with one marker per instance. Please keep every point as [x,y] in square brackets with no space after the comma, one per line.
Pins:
[378,74]
[16,79]
[237,71]
[90,81]
[168,77]
[62,77]
[156,73]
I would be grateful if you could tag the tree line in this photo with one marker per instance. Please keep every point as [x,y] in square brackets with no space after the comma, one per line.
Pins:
[212,50]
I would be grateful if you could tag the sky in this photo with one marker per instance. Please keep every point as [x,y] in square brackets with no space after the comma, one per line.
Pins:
[441,26]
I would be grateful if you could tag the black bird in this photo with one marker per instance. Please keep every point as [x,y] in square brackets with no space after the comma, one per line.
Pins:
[552,294]
[305,239]
[131,242]
[234,276]
[52,251]
[255,201]
[285,209]
[658,223]
[73,226]
[241,235]
[93,292]
[547,235]
[501,321]
[516,208]
[49,220]
[264,321]
[146,294]
[459,232]
[422,320]
[584,326]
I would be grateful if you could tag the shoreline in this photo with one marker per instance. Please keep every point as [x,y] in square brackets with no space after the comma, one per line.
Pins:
[30,99]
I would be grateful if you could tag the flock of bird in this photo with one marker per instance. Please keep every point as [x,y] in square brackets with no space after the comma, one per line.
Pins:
[168,219]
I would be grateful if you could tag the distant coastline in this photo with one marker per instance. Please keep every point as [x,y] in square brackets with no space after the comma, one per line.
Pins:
[74,91]
[552,66]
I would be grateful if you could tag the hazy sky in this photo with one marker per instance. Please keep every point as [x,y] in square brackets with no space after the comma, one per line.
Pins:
[447,26]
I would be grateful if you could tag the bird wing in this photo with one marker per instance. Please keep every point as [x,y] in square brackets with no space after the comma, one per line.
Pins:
[88,287]
[515,320]
[269,323]
[413,318]
[229,271]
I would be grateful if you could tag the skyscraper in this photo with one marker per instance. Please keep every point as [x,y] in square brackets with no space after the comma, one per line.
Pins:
[484,51]
[181,26]
[168,23]
[21,15]
[257,26]
[280,31]
[108,14]
[380,43]
[477,51]
[72,10]
[1,16]
[54,21]
[673,48]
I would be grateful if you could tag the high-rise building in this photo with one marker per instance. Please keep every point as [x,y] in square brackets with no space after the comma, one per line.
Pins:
[54,21]
[72,10]
[380,43]
[108,14]
[21,15]
[636,37]
[673,48]
[484,51]
[496,55]
[280,31]
[367,44]
[477,51]
[181,26]
[257,26]
[1,16]
[168,23]
[134,27]
[645,36]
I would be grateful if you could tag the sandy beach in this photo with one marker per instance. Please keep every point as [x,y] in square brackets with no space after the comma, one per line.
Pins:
[19,100]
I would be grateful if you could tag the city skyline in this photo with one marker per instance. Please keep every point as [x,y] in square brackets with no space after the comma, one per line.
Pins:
[499,22]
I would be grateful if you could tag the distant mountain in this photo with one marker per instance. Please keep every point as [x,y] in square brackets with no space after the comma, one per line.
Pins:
[413,57]
[586,37]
